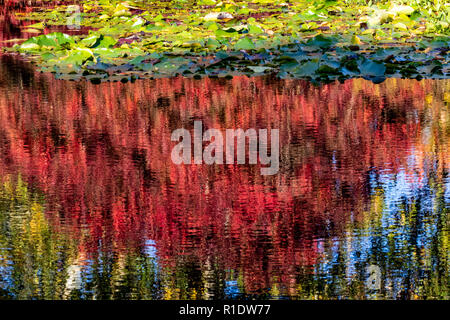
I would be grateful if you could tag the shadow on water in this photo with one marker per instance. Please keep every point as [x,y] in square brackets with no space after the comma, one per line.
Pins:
[91,205]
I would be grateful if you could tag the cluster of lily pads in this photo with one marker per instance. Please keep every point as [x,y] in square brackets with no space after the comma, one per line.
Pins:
[320,40]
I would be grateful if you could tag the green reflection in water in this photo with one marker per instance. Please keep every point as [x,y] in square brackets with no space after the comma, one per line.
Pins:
[33,257]
[398,250]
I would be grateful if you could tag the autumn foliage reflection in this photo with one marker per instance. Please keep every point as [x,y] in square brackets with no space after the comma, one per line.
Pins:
[100,156]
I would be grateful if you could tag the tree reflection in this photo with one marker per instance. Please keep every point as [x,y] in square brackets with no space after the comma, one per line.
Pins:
[92,207]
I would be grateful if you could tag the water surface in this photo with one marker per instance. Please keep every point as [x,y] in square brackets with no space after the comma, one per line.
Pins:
[91,205]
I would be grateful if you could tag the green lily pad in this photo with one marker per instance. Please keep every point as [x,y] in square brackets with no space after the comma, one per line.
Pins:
[371,68]
[308,69]
[99,41]
[54,39]
[244,44]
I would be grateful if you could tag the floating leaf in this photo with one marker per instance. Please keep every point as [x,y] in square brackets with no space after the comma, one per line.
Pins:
[29,30]
[400,26]
[39,25]
[54,39]
[356,40]
[321,41]
[244,44]
[257,69]
[254,29]
[307,69]
[401,9]
[371,68]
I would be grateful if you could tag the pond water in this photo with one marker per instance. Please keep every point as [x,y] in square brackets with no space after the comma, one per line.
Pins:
[92,207]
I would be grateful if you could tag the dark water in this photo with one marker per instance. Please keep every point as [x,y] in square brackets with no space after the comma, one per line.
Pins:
[91,205]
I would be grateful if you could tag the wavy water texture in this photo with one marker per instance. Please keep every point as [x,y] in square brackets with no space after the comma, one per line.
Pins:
[93,207]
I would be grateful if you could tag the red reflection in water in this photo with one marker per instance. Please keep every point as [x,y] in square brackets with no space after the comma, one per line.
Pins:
[101,156]
[14,29]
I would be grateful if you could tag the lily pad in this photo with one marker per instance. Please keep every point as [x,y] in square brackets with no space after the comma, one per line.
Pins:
[244,44]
